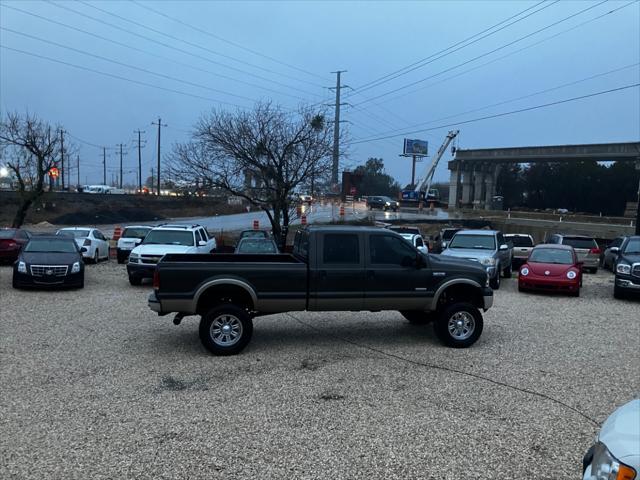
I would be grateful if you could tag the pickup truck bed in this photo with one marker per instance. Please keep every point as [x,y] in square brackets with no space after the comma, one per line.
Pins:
[330,269]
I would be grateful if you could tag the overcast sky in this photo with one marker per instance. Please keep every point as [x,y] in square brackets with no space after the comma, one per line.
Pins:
[231,54]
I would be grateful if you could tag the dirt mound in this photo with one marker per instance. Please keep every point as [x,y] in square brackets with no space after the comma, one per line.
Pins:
[103,216]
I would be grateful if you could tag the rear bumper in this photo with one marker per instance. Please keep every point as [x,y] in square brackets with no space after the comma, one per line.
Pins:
[71,280]
[140,270]
[591,262]
[9,255]
[154,303]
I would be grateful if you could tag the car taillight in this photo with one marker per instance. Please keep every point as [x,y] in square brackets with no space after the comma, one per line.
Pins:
[595,250]
[87,243]
[156,279]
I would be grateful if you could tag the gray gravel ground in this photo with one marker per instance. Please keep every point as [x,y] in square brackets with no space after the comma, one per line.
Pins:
[94,385]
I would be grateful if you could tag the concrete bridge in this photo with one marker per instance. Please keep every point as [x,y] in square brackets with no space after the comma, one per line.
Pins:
[474,172]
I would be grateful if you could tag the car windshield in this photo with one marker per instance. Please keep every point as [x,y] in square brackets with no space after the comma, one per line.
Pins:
[551,255]
[7,233]
[73,233]
[135,232]
[254,245]
[633,247]
[520,240]
[51,245]
[480,242]
[448,234]
[387,199]
[579,242]
[253,234]
[169,237]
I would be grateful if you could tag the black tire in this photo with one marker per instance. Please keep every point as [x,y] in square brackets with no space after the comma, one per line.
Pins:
[135,281]
[594,270]
[495,282]
[618,293]
[417,317]
[14,283]
[467,313]
[507,272]
[120,259]
[240,322]
[576,293]
[96,256]
[81,284]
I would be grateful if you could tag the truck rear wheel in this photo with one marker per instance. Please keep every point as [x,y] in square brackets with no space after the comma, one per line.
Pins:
[226,329]
[459,325]
[417,317]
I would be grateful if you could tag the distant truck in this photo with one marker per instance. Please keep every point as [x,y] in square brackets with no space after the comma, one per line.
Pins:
[331,269]
[104,189]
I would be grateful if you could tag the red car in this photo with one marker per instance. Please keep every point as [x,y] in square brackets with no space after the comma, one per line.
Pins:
[551,267]
[11,242]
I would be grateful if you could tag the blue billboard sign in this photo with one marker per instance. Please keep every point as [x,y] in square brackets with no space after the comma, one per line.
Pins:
[415,147]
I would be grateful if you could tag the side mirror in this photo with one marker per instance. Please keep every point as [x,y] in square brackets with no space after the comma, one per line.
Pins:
[83,249]
[504,246]
[202,243]
[137,240]
[615,250]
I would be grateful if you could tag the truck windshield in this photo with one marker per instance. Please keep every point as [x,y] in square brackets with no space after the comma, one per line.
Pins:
[551,255]
[169,237]
[520,240]
[480,242]
[135,233]
[256,245]
[633,247]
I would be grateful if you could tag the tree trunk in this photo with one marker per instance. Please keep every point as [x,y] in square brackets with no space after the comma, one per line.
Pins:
[21,214]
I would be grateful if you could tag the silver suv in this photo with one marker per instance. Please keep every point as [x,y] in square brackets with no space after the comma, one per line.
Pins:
[488,247]
[586,248]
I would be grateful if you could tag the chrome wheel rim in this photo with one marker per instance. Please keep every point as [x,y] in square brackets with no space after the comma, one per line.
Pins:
[461,325]
[225,330]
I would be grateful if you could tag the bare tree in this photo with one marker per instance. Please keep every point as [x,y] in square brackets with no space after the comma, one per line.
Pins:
[263,155]
[33,145]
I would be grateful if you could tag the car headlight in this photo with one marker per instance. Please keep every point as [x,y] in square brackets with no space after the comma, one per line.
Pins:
[605,466]
[488,261]
[571,274]
[387,203]
[623,268]
[524,271]
[75,268]
[22,267]
[133,258]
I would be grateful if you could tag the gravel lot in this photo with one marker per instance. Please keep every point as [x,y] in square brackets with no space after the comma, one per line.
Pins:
[94,385]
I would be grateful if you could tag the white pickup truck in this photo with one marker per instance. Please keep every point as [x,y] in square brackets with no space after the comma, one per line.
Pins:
[522,246]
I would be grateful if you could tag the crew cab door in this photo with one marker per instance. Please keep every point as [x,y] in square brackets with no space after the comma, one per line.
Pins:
[337,282]
[393,280]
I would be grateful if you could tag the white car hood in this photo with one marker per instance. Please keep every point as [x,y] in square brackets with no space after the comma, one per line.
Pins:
[160,249]
[621,433]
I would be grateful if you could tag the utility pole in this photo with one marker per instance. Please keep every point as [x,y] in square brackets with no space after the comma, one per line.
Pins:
[120,145]
[160,124]
[78,165]
[139,160]
[104,165]
[336,129]
[152,177]
[62,132]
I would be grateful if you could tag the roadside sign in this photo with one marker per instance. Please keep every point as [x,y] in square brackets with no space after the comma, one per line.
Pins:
[415,147]
[54,172]
[352,190]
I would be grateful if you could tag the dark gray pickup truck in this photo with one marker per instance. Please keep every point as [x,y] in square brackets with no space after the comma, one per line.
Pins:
[330,269]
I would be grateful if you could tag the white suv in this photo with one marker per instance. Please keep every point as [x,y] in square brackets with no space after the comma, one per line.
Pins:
[166,239]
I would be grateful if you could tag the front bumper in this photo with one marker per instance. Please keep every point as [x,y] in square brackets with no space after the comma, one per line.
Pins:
[28,280]
[492,271]
[140,270]
[549,284]
[487,297]
[628,282]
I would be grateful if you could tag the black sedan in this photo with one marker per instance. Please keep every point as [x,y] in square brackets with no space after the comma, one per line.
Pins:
[383,203]
[49,261]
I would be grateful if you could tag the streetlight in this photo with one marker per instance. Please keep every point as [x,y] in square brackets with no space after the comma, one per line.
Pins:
[4,172]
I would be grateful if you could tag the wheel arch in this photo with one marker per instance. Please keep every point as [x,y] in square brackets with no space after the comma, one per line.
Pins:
[215,291]
[458,289]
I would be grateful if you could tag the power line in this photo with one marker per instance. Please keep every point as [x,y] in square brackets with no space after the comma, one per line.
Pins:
[117,27]
[484,54]
[540,92]
[505,56]
[138,82]
[502,114]
[133,67]
[146,52]
[147,7]
[430,59]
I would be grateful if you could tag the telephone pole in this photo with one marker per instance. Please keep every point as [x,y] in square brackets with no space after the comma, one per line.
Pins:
[104,165]
[78,165]
[140,160]
[120,145]
[336,129]
[160,124]
[62,132]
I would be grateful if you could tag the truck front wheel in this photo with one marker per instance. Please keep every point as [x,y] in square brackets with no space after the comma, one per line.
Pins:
[226,329]
[460,325]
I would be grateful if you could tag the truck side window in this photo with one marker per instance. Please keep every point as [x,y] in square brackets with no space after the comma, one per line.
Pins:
[385,249]
[340,248]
